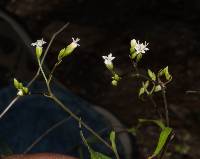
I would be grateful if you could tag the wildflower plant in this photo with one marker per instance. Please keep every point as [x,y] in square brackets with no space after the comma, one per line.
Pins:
[23,90]
[153,83]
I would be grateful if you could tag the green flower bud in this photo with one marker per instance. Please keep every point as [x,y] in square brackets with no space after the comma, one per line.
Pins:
[114,82]
[108,61]
[38,52]
[39,44]
[69,49]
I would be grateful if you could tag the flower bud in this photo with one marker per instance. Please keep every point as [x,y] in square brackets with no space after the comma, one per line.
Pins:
[108,61]
[38,51]
[69,49]
[114,82]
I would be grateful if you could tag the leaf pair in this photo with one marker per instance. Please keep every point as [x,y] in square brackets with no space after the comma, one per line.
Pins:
[97,155]
[165,72]
[93,154]
[19,86]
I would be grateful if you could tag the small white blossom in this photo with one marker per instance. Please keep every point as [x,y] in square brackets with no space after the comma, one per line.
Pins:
[20,92]
[141,48]
[39,43]
[74,43]
[108,59]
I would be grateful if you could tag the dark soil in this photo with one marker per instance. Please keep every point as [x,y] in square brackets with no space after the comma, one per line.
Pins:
[172,30]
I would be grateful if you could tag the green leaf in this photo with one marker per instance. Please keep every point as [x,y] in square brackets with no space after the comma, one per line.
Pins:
[146,84]
[157,88]
[157,122]
[164,136]
[161,72]
[133,131]
[151,75]
[165,72]
[20,85]
[98,155]
[61,54]
[25,90]
[167,75]
[141,91]
[93,154]
[144,87]
[112,139]
[16,83]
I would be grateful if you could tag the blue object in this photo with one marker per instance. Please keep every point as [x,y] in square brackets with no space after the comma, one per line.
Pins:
[31,116]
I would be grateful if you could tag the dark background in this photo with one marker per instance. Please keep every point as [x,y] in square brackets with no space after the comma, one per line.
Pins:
[172,29]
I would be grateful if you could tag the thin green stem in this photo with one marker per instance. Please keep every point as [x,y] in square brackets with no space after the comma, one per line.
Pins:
[56,100]
[53,70]
[156,106]
[165,105]
[116,154]
[51,41]
[9,106]
[42,71]
[38,71]
[163,93]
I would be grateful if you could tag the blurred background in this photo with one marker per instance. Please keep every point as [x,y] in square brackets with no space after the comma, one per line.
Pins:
[171,27]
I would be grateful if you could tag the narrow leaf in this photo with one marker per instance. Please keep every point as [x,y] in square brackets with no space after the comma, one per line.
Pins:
[61,54]
[157,88]
[157,122]
[146,84]
[25,90]
[151,75]
[141,91]
[93,154]
[133,131]
[164,136]
[16,83]
[112,139]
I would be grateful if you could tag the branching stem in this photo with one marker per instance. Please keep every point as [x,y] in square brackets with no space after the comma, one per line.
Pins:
[37,73]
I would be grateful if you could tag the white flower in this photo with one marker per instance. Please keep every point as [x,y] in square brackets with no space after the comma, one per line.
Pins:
[141,48]
[20,92]
[74,43]
[39,43]
[108,59]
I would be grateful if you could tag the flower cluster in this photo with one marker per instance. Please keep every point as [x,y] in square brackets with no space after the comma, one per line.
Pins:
[139,47]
